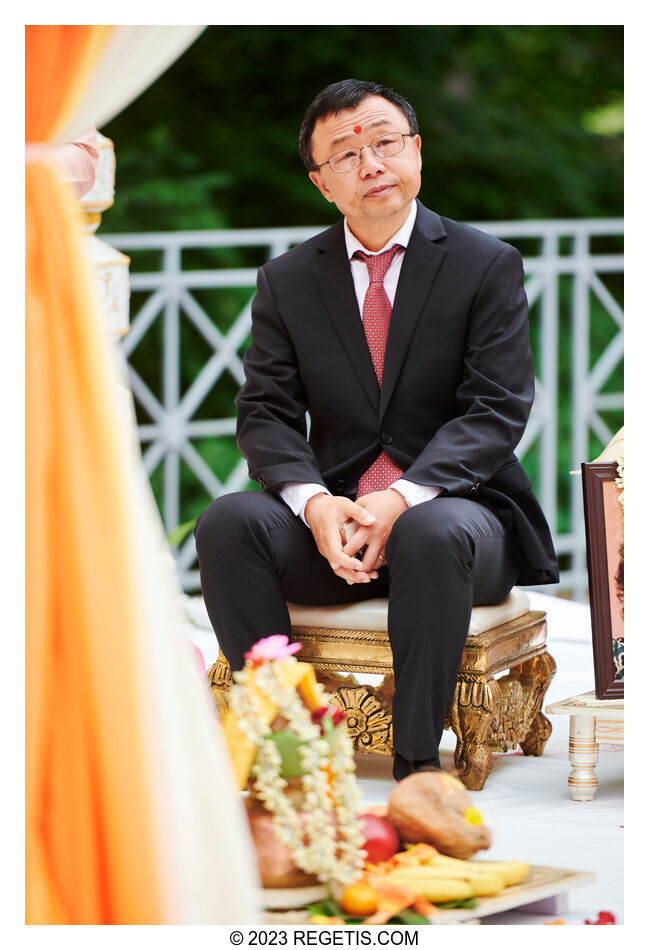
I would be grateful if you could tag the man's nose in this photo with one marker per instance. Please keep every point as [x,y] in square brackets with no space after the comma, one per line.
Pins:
[370,161]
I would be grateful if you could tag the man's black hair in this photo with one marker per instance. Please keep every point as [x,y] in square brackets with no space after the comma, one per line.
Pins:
[347,94]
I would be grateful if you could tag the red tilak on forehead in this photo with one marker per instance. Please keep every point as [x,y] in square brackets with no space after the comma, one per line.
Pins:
[357,129]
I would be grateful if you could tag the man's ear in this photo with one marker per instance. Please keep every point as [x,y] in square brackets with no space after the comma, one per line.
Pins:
[318,181]
[417,142]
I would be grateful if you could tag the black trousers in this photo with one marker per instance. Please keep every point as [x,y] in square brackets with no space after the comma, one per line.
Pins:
[443,557]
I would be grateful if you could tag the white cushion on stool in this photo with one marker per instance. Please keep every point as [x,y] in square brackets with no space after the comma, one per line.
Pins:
[373,614]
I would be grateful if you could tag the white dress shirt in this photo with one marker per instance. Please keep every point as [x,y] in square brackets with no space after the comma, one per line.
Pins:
[297,494]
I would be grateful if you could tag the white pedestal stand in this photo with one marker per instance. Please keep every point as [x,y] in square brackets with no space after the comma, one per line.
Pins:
[591,720]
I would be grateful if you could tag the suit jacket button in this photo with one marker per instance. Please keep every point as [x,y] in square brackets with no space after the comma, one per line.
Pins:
[386,438]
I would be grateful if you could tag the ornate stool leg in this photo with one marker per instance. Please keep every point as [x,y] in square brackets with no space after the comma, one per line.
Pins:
[385,691]
[535,676]
[219,679]
[369,718]
[476,702]
[368,721]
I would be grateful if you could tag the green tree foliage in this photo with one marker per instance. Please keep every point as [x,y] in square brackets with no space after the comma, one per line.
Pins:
[517,122]
[505,115]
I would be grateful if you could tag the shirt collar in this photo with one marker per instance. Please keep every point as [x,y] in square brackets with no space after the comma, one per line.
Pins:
[401,237]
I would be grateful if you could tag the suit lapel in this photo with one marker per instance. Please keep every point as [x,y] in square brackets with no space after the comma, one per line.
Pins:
[334,279]
[420,267]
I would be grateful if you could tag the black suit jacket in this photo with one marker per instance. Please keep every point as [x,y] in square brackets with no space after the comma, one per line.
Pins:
[458,378]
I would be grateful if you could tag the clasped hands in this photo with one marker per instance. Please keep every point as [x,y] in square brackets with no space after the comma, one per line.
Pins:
[375,513]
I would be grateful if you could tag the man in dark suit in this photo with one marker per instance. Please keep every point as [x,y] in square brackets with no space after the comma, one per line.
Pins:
[404,336]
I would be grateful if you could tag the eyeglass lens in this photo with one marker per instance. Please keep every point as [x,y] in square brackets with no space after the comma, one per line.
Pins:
[383,147]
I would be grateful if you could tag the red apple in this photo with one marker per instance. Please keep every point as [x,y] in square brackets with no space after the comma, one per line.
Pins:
[381,838]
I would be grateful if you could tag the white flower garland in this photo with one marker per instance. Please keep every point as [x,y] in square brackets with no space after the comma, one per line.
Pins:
[619,481]
[327,842]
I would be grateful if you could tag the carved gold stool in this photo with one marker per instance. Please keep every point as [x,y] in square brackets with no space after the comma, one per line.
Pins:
[486,714]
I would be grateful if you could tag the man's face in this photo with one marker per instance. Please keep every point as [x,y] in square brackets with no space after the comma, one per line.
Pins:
[380,188]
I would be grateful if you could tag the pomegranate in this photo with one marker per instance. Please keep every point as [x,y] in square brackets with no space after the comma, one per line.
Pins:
[381,838]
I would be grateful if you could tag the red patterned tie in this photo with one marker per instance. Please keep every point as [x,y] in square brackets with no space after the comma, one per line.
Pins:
[376,322]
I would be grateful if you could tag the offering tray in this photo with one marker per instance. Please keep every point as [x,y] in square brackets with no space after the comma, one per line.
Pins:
[541,884]
[284,898]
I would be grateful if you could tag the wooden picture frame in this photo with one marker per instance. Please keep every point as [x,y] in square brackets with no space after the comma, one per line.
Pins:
[605,554]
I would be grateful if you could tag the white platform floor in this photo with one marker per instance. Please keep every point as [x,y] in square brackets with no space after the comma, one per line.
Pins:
[525,801]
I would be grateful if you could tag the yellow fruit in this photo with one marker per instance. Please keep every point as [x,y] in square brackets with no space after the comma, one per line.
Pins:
[359,899]
[512,872]
[325,921]
[483,884]
[435,889]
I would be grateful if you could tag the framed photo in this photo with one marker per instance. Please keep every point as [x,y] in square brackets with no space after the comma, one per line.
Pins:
[605,552]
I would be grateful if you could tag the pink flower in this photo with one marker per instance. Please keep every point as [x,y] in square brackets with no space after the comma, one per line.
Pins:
[333,712]
[271,648]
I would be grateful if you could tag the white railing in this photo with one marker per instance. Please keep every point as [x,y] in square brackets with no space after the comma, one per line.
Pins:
[565,280]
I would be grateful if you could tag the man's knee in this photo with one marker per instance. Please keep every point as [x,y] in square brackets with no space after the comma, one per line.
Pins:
[229,517]
[432,523]
[431,530]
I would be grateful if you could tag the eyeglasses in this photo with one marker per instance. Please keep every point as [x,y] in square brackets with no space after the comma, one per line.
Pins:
[385,146]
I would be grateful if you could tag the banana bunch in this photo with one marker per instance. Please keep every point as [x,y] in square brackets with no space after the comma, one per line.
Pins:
[442,878]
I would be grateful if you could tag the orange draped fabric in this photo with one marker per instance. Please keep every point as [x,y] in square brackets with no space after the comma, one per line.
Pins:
[91,849]
[58,62]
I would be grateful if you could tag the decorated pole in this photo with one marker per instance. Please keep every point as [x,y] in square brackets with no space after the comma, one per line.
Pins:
[109,266]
